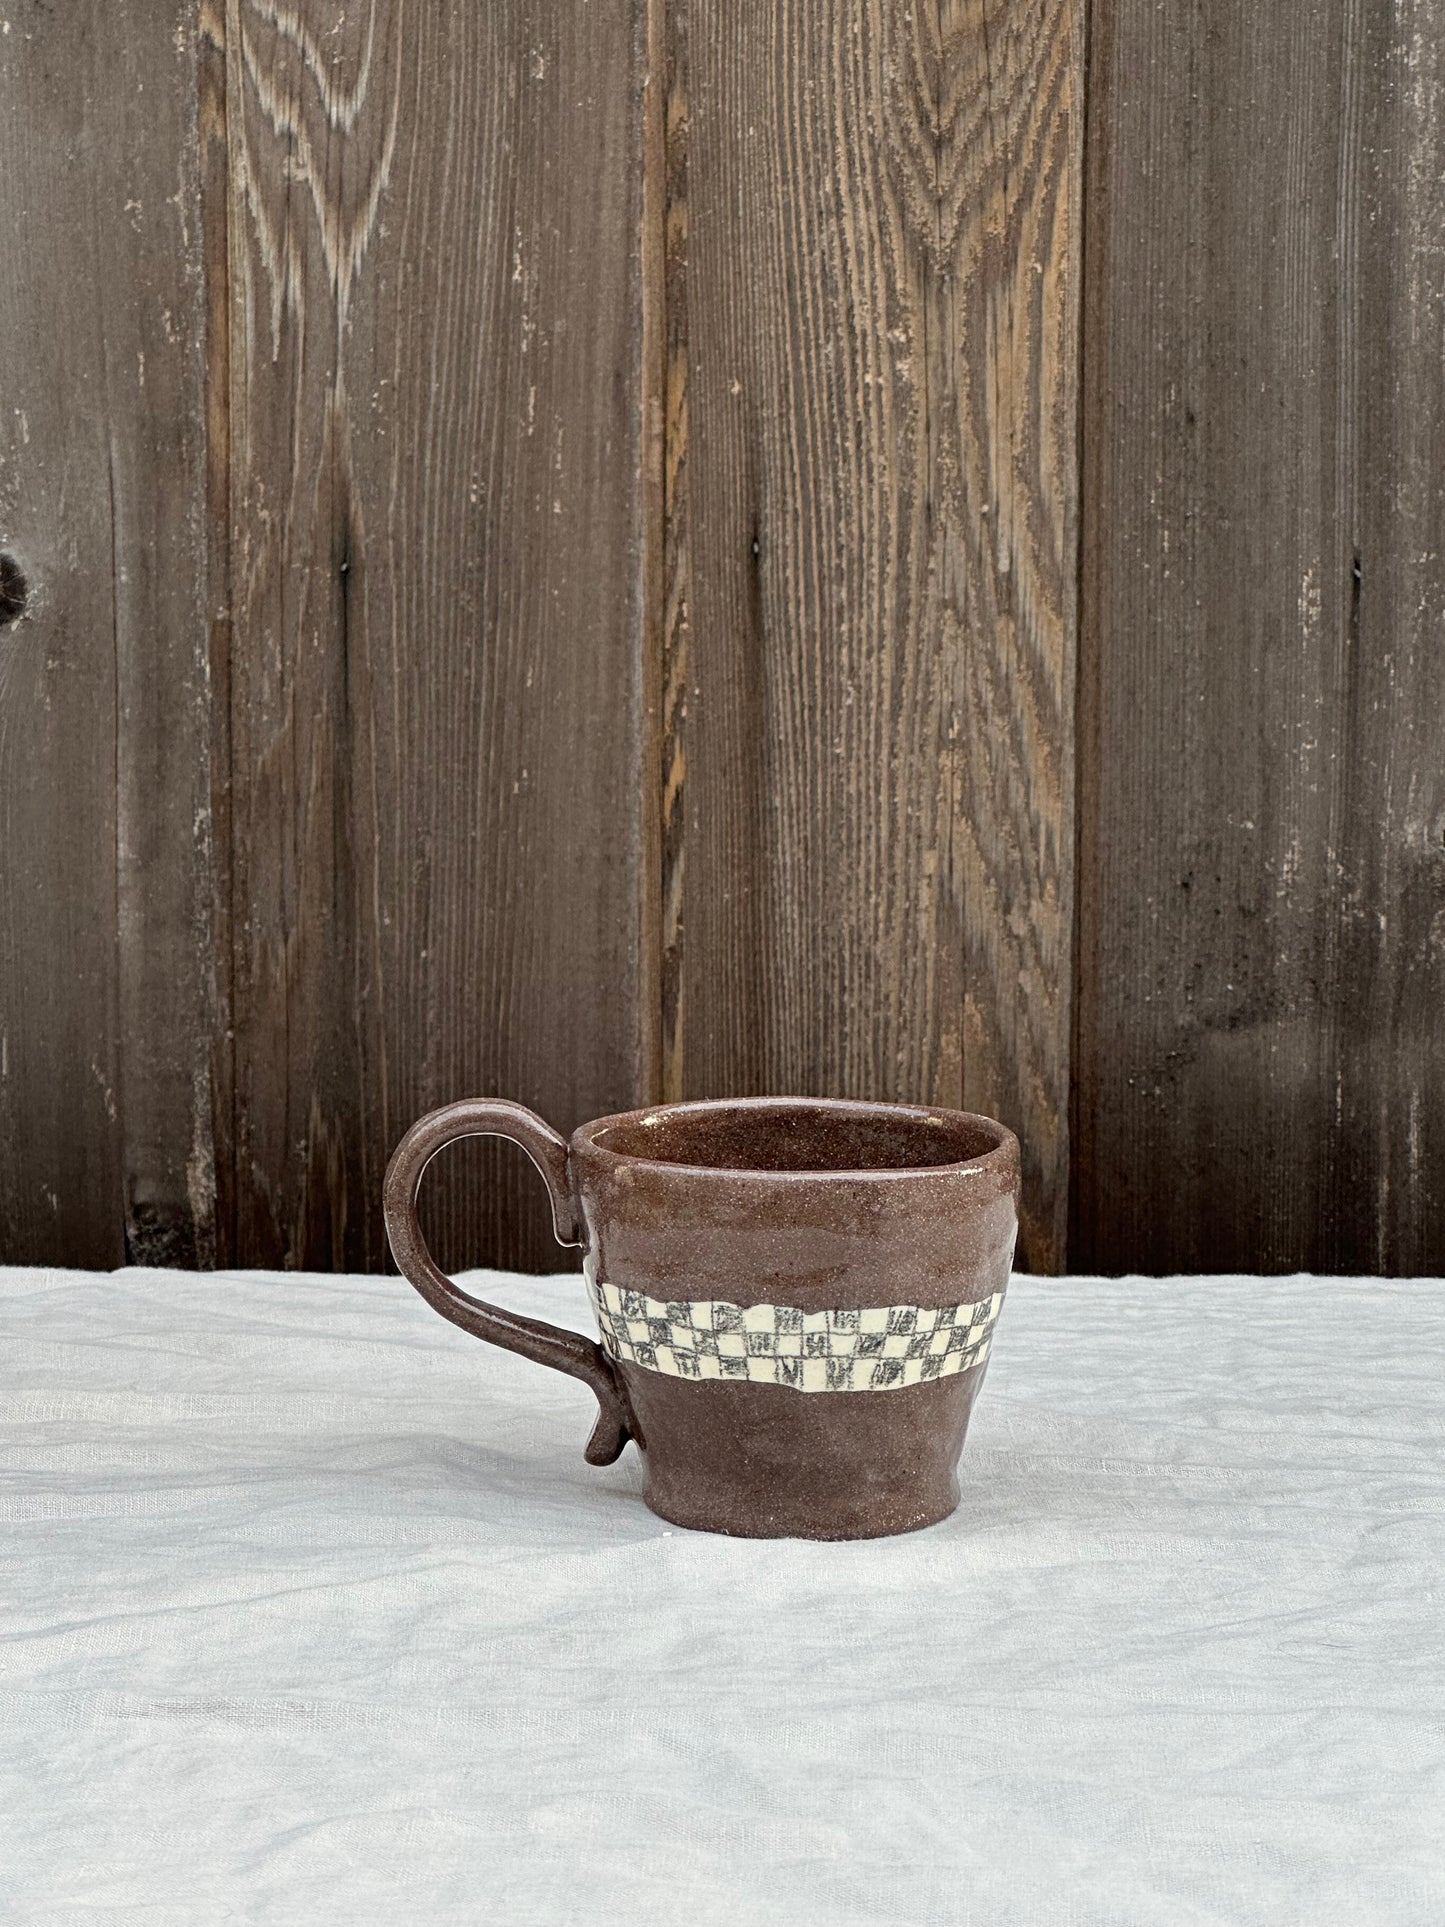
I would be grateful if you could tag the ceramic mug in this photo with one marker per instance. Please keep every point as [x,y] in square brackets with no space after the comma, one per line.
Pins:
[795,1297]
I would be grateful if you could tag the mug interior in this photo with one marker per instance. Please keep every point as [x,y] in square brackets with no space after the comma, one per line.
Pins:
[796,1134]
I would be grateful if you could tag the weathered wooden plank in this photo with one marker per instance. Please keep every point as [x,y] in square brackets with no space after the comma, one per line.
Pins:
[1260,1059]
[869,653]
[106,997]
[439,705]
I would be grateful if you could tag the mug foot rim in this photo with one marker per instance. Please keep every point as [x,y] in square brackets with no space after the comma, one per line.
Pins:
[917,1521]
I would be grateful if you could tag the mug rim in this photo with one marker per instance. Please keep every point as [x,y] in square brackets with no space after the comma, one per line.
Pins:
[1000,1158]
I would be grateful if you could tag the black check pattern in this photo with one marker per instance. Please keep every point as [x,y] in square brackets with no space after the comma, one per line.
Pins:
[871,1350]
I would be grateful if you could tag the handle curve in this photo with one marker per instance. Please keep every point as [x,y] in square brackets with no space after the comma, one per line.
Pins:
[564,1351]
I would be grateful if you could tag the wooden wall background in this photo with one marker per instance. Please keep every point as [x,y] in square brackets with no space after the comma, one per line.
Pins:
[541,552]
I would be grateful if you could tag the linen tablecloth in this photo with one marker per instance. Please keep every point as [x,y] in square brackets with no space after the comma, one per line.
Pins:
[310,1610]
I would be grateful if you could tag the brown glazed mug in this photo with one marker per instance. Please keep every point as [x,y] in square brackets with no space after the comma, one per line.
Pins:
[795,1297]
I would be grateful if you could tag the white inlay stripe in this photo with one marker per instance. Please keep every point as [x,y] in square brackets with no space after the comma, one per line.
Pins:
[878,1349]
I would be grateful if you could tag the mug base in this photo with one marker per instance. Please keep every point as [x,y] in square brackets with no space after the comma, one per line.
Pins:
[763,1524]
[769,1462]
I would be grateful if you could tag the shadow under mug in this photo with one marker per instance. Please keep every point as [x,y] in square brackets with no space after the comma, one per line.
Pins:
[795,1297]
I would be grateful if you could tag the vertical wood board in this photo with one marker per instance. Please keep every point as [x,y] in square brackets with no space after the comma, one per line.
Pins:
[438,699]
[107,998]
[1261,1065]
[873,288]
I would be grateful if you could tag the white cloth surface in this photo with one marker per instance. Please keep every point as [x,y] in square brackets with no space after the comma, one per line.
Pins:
[310,1610]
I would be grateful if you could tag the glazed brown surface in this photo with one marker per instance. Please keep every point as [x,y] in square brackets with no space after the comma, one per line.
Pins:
[801,1203]
[934,1235]
[765,1462]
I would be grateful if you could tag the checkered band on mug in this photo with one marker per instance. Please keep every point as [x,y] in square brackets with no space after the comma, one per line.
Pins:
[877,1349]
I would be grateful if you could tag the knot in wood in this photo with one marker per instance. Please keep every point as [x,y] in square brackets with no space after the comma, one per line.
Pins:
[14,591]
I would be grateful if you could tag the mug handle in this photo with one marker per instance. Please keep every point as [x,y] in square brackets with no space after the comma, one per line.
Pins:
[565,1351]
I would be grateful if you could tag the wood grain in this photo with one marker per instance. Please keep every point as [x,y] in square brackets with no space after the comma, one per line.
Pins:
[869,667]
[106,995]
[1261,1065]
[439,707]
[538,556]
